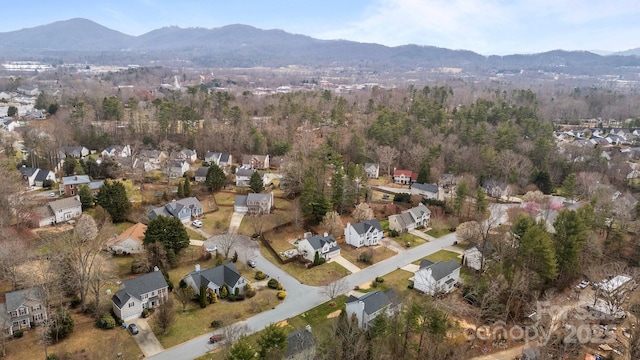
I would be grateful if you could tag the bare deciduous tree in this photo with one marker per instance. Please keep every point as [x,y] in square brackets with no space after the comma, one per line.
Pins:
[387,155]
[362,212]
[184,295]
[13,253]
[335,289]
[226,243]
[165,315]
[332,223]
[257,221]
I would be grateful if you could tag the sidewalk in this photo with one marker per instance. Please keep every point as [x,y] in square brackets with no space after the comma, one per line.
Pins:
[346,264]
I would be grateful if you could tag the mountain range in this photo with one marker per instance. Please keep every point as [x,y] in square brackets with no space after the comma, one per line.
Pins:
[79,39]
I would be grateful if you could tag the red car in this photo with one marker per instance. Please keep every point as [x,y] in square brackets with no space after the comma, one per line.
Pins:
[215,338]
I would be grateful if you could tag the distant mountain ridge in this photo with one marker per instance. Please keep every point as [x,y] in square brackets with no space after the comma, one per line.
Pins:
[246,46]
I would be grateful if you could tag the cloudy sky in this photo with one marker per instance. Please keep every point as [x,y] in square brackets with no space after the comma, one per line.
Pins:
[485,26]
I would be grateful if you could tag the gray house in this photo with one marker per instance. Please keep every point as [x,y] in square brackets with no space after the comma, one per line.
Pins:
[183,209]
[429,191]
[325,246]
[372,170]
[369,306]
[215,278]
[144,292]
[301,345]
[243,175]
[253,203]
[22,308]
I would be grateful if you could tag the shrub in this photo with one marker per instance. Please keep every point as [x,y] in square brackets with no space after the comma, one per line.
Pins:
[234,259]
[379,280]
[410,286]
[393,233]
[52,357]
[18,333]
[273,283]
[224,292]
[107,321]
[322,261]
[182,284]
[216,323]
[260,275]
[280,287]
[374,284]
[202,299]
[145,313]
[282,294]
[402,197]
[366,257]
[249,291]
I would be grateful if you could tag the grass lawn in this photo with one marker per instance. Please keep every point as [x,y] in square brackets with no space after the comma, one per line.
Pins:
[438,232]
[195,235]
[266,222]
[379,253]
[216,222]
[224,198]
[86,342]
[121,227]
[385,224]
[442,255]
[316,276]
[123,265]
[409,238]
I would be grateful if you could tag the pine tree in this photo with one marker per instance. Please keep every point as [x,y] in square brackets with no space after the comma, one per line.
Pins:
[113,198]
[181,189]
[424,173]
[203,296]
[255,183]
[272,342]
[241,350]
[187,187]
[568,239]
[168,231]
[215,178]
[481,203]
[86,196]
[224,293]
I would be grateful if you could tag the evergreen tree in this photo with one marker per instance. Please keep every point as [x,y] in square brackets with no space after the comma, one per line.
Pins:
[187,187]
[424,173]
[569,186]
[542,181]
[69,166]
[202,297]
[224,292]
[481,203]
[272,342]
[86,196]
[113,198]
[241,350]
[168,231]
[181,189]
[568,239]
[461,197]
[255,183]
[215,178]
[337,189]
[536,254]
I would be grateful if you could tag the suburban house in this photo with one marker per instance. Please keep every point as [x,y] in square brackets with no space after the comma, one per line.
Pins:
[410,219]
[253,203]
[117,151]
[429,191]
[36,176]
[153,159]
[177,168]
[301,345]
[404,177]
[370,305]
[259,162]
[143,292]
[70,184]
[58,211]
[35,114]
[183,209]
[372,170]
[365,233]
[10,125]
[214,279]
[21,309]
[220,159]
[187,155]
[325,246]
[130,241]
[201,174]
[496,189]
[475,257]
[243,175]
[28,90]
[435,278]
[76,152]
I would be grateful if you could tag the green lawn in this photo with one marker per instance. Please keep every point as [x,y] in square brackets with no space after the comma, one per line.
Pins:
[385,224]
[413,240]
[438,232]
[442,255]
[195,235]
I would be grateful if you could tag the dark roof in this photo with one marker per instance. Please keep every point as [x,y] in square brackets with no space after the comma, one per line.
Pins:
[65,203]
[225,158]
[366,226]
[42,175]
[202,172]
[174,207]
[15,299]
[299,341]
[373,301]
[219,275]
[440,269]
[29,171]
[244,171]
[318,241]
[432,188]
[137,286]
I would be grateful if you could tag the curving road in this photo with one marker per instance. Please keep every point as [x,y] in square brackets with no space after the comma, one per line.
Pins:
[300,297]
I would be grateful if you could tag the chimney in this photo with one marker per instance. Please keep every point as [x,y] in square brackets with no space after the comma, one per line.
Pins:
[308,328]
[197,267]
[326,234]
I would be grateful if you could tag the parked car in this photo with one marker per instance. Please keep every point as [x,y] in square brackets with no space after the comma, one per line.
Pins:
[583,284]
[251,263]
[133,329]
[215,338]
[197,223]
[212,249]
[52,194]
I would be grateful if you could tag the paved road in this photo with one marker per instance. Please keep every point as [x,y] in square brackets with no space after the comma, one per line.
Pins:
[300,297]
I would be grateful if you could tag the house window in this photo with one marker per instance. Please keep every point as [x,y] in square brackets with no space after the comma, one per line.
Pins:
[131,304]
[37,317]
[23,311]
[25,322]
[37,307]
[73,192]
[144,297]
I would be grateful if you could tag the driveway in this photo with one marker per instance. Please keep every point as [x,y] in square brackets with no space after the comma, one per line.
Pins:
[346,264]
[422,235]
[145,338]
[234,224]
[389,243]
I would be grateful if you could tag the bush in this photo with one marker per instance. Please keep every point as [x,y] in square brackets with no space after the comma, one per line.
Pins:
[260,275]
[379,280]
[273,283]
[216,324]
[374,284]
[393,233]
[52,357]
[18,333]
[107,321]
[366,257]
[322,261]
[234,259]
[402,197]
[282,294]
[145,313]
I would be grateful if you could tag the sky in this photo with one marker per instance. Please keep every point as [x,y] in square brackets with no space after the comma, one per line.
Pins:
[488,27]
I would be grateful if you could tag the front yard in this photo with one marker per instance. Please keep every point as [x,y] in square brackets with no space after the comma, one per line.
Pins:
[377,253]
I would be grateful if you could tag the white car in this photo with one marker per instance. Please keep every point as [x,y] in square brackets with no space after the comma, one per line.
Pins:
[51,194]
[212,249]
[197,223]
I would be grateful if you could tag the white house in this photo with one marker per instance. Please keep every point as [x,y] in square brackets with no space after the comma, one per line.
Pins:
[372,170]
[188,155]
[177,168]
[130,241]
[410,219]
[243,175]
[214,279]
[371,305]
[117,151]
[144,292]
[429,191]
[59,211]
[365,233]
[475,257]
[326,246]
[201,174]
[434,278]
[36,176]
[404,177]
[21,309]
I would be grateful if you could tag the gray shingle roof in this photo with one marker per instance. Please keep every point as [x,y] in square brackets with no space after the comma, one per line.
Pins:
[299,341]
[318,241]
[373,301]
[225,274]
[42,175]
[367,226]
[202,172]
[440,269]
[29,171]
[244,172]
[135,287]
[432,188]
[15,299]
[76,179]
[225,158]
[64,204]
[418,211]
